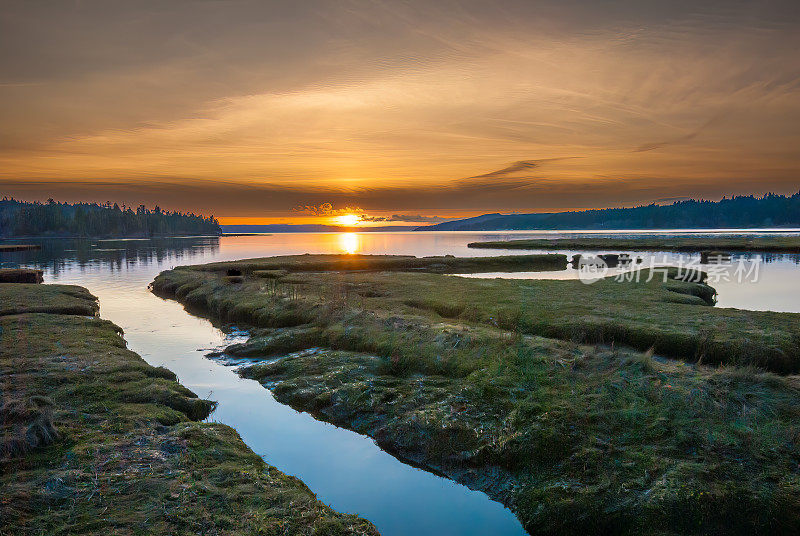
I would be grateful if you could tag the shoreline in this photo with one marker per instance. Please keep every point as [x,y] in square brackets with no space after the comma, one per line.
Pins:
[710,230]
[94,437]
[103,237]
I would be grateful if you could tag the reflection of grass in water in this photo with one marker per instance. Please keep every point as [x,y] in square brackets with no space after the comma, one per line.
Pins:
[451,374]
[93,440]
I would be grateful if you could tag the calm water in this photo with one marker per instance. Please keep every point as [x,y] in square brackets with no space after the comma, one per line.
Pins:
[344,469]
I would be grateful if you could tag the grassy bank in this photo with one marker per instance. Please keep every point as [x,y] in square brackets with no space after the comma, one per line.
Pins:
[450,374]
[96,441]
[672,317]
[271,266]
[766,244]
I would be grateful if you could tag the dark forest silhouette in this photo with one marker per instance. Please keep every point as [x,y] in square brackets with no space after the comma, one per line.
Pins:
[20,218]
[771,210]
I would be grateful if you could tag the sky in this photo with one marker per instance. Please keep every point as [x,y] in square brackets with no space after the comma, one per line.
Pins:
[400,112]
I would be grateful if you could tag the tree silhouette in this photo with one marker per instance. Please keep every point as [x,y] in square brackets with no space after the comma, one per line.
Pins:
[19,218]
[746,211]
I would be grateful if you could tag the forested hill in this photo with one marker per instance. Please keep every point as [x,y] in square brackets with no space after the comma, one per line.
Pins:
[739,212]
[19,218]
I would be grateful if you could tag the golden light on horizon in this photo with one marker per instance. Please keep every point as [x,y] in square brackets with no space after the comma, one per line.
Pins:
[348,242]
[348,219]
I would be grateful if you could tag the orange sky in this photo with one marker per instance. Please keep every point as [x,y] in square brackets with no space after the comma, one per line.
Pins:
[248,110]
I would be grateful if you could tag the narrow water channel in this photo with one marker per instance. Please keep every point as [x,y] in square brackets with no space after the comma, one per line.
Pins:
[347,471]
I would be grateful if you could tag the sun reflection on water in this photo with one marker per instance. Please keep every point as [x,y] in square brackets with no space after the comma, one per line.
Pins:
[349,243]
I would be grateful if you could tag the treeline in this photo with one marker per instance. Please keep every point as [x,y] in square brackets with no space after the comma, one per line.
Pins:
[20,218]
[746,211]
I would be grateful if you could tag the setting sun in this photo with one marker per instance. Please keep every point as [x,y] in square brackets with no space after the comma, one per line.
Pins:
[348,219]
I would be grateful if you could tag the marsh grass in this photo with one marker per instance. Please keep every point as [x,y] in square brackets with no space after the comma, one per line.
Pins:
[19,247]
[96,441]
[670,315]
[20,298]
[274,267]
[576,439]
[26,423]
[532,390]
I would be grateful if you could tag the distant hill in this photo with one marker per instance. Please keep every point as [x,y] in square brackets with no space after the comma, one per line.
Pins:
[23,219]
[749,211]
[308,228]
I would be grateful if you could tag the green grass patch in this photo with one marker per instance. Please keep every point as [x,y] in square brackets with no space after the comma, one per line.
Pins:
[17,298]
[275,267]
[574,439]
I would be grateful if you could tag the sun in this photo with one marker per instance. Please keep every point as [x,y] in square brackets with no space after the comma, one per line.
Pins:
[348,219]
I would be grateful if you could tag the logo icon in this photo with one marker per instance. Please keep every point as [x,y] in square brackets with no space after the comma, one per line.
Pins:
[591,268]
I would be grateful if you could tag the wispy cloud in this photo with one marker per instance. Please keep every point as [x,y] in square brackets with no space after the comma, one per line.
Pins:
[522,165]
[516,168]
[679,139]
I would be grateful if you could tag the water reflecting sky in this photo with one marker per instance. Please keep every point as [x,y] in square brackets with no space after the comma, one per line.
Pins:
[776,287]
